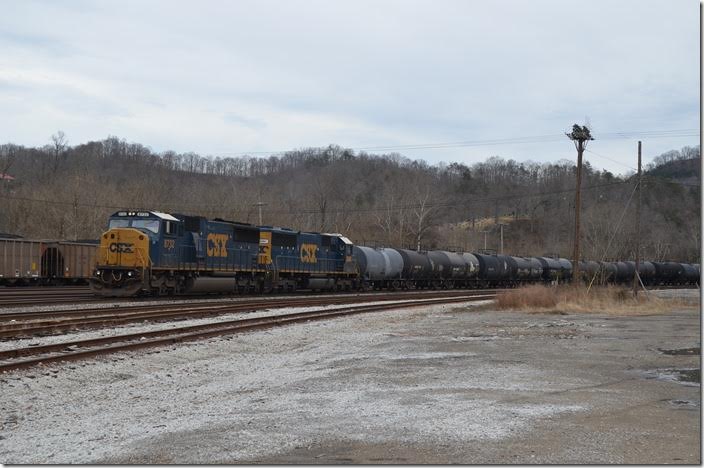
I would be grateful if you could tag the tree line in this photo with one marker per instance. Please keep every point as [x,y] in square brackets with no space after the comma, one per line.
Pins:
[67,192]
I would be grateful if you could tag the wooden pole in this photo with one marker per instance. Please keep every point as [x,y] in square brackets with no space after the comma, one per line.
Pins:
[577,205]
[638,188]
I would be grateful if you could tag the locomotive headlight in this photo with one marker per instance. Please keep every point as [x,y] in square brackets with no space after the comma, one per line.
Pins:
[97,272]
[129,273]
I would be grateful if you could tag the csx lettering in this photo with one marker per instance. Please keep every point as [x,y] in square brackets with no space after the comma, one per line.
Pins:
[308,253]
[217,245]
[121,247]
[169,244]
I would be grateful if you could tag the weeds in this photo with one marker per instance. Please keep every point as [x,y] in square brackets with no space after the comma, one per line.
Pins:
[576,299]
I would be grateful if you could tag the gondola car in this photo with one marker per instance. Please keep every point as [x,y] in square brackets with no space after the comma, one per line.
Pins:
[26,262]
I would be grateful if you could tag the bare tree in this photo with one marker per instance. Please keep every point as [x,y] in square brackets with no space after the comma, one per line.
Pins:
[421,212]
[60,143]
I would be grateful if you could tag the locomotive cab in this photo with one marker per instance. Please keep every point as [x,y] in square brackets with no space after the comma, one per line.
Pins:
[134,242]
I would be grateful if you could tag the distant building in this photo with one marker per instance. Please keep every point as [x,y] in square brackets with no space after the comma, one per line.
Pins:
[7,177]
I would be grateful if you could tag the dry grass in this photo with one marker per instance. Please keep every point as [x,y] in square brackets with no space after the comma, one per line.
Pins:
[540,297]
[575,299]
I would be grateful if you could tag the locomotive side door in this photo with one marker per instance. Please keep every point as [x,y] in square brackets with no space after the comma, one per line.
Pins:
[169,257]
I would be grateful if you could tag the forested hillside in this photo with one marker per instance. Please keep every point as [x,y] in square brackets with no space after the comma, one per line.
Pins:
[62,191]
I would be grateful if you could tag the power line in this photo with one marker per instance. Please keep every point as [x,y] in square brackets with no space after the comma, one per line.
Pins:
[618,226]
[610,159]
[643,134]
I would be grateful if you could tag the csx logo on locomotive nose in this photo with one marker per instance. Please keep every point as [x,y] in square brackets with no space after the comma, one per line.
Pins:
[121,247]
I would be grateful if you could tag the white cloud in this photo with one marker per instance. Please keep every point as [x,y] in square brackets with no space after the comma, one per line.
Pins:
[273,75]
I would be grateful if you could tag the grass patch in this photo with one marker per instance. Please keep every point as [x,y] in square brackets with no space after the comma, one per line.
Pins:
[576,299]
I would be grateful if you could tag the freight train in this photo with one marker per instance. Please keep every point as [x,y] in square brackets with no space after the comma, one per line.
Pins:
[149,252]
[45,262]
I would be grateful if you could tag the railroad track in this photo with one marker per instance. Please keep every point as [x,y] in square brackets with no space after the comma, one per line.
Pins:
[24,324]
[12,297]
[52,295]
[22,358]
[48,295]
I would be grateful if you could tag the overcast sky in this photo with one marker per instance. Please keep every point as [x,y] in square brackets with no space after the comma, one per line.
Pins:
[234,77]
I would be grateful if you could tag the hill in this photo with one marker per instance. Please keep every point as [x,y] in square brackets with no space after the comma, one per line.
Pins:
[68,192]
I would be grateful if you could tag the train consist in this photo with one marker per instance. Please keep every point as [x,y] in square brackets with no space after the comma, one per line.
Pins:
[387,268]
[148,252]
[43,262]
[160,253]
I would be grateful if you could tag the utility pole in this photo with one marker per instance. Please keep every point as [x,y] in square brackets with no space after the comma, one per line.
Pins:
[638,187]
[501,227]
[580,136]
[260,204]
[484,239]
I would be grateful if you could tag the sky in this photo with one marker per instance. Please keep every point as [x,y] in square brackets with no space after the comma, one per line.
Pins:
[439,80]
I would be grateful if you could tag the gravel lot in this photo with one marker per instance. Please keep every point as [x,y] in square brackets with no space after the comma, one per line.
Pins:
[444,384]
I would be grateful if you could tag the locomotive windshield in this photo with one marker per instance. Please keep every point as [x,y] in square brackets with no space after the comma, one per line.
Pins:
[148,224]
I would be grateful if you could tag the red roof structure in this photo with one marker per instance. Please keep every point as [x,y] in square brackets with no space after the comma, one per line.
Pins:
[6,176]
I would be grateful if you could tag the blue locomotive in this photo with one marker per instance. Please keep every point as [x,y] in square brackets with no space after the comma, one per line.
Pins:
[165,254]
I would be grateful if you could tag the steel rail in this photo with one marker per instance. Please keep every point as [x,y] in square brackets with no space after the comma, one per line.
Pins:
[158,313]
[194,332]
[30,315]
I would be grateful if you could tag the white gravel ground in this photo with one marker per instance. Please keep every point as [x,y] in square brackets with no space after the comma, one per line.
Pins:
[425,383]
[268,392]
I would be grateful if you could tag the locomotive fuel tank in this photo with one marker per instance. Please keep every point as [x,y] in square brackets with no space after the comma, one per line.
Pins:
[207,284]
[320,284]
